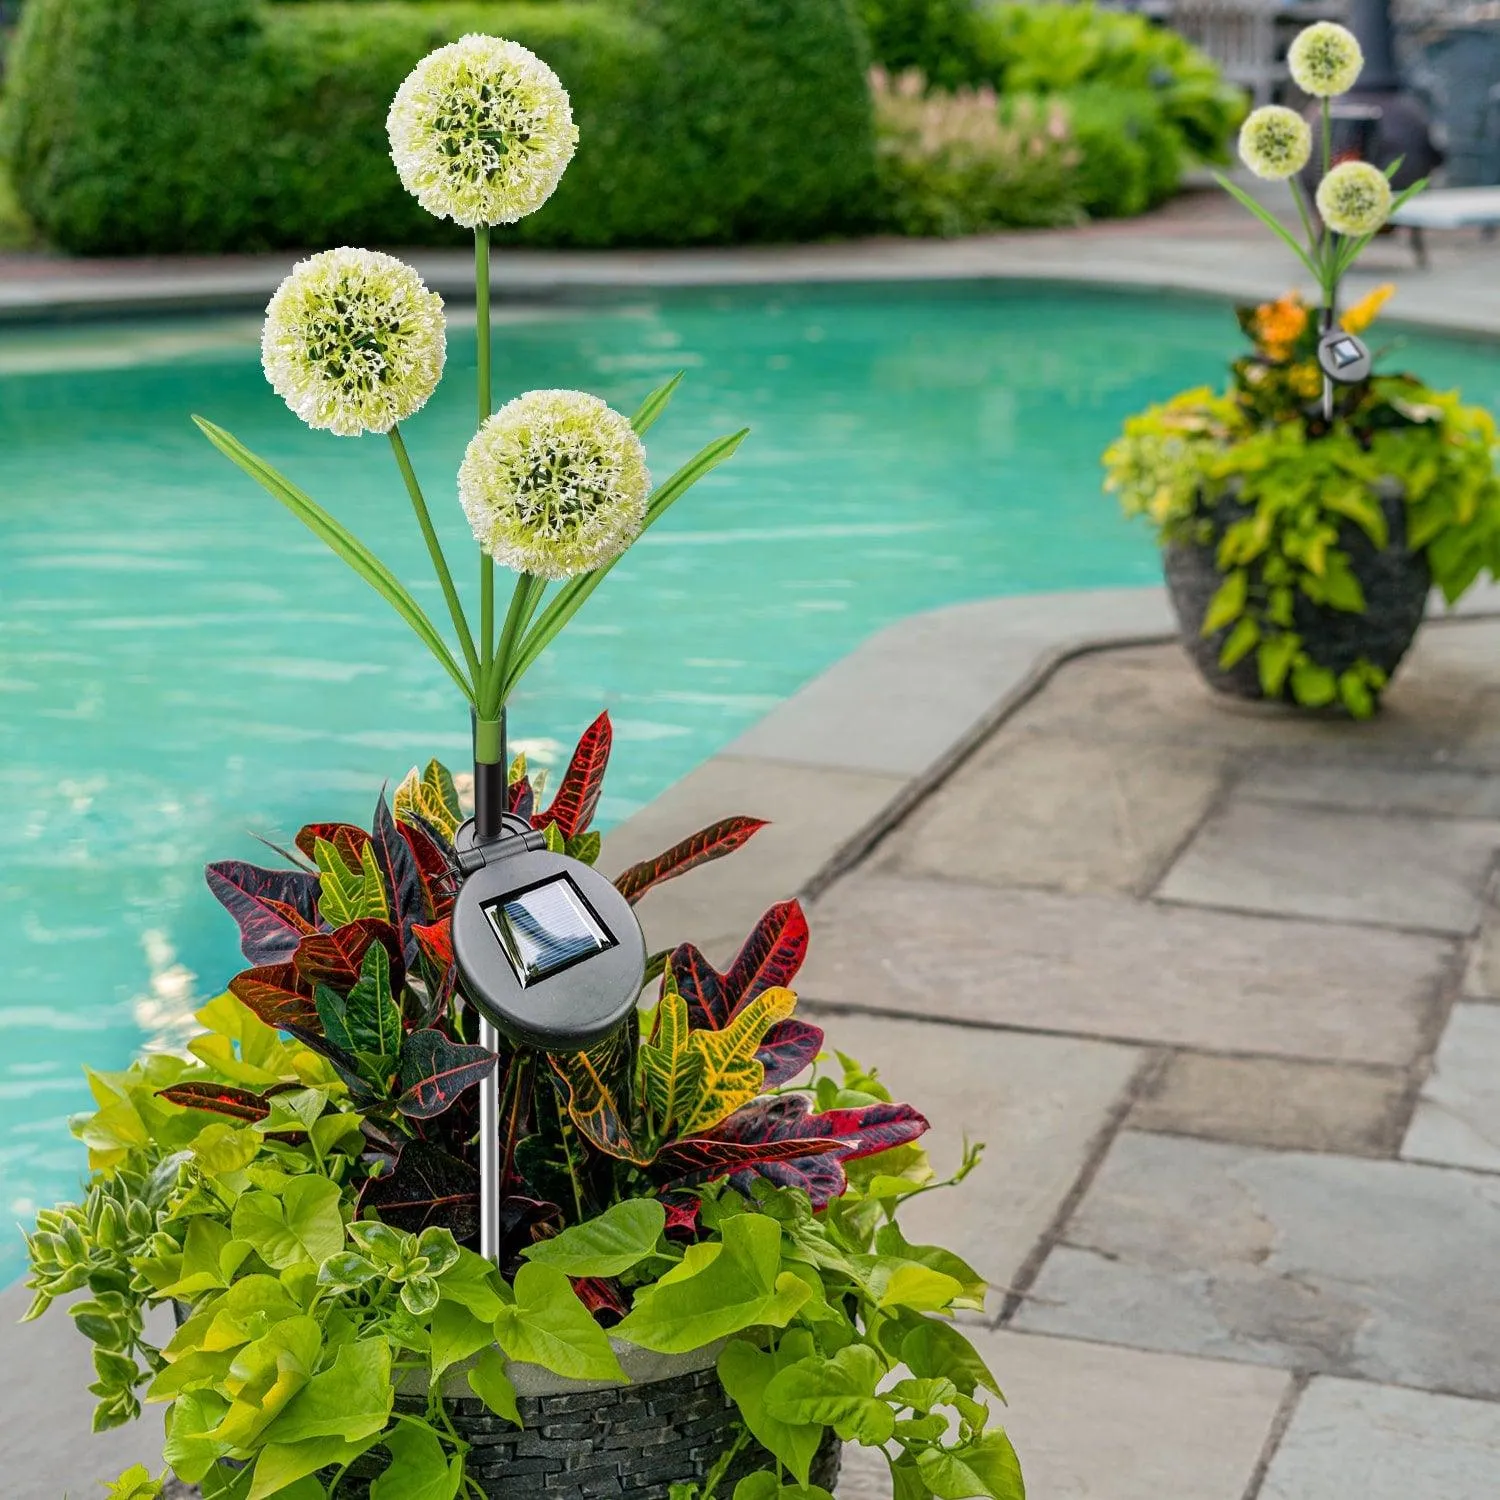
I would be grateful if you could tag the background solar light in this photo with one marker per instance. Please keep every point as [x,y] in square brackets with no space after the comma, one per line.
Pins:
[1343,358]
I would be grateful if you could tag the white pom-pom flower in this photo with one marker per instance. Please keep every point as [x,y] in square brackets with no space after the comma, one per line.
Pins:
[354,341]
[1275,142]
[481,131]
[1354,198]
[1325,59]
[555,484]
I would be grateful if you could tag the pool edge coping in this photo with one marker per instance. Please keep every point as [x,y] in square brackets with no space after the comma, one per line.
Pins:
[1140,262]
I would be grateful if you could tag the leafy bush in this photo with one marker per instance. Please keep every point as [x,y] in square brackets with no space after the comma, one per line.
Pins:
[229,124]
[1064,48]
[302,1185]
[1130,157]
[950,164]
[1143,101]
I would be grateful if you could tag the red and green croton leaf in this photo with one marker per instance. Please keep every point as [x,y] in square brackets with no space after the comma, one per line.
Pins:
[275,909]
[781,1139]
[710,843]
[435,1070]
[770,957]
[218,1099]
[577,799]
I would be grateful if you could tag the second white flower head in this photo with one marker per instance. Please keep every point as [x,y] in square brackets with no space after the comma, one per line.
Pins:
[354,341]
[481,131]
[1275,142]
[555,484]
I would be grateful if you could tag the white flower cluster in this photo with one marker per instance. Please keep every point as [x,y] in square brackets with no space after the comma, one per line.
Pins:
[555,484]
[354,341]
[1275,142]
[481,131]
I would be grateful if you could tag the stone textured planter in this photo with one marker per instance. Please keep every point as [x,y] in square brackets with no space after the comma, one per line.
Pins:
[584,1441]
[1396,583]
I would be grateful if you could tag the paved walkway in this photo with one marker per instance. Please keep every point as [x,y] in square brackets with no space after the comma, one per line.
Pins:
[1219,988]
[1200,242]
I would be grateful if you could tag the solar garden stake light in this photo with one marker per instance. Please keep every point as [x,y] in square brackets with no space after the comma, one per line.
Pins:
[551,955]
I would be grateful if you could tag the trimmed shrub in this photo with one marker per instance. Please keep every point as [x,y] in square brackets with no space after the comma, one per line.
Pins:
[1130,157]
[209,125]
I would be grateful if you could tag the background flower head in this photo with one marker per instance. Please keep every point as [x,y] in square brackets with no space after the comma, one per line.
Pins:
[1275,142]
[1354,198]
[1325,59]
[354,341]
[481,131]
[1278,325]
[555,484]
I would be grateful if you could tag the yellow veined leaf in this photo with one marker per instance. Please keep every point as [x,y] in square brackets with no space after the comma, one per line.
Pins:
[730,1075]
[667,1071]
[429,798]
[346,894]
[596,1082]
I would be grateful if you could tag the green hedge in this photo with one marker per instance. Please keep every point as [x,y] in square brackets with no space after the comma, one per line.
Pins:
[205,125]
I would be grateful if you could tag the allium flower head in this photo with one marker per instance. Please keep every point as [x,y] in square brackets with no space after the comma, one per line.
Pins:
[555,484]
[1325,59]
[1354,198]
[1275,142]
[481,131]
[354,341]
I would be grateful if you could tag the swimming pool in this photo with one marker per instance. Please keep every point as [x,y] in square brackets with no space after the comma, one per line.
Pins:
[181,663]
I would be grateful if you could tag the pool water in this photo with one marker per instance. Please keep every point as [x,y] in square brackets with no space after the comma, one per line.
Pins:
[182,664]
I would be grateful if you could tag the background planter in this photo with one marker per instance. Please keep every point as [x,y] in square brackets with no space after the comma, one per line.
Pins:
[1396,583]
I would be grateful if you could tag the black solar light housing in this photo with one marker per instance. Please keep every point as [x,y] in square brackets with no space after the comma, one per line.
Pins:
[550,952]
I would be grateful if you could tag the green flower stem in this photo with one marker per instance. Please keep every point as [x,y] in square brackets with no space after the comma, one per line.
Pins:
[522,602]
[486,406]
[435,551]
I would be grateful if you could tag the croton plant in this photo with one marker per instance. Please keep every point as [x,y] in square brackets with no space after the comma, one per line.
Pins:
[303,1188]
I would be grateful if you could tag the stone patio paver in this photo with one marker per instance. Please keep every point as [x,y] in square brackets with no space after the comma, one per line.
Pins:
[1150,695]
[1379,1269]
[1399,871]
[1279,1102]
[1383,1443]
[1457,1120]
[1064,813]
[1091,1422]
[1137,971]
[1037,1102]
[1446,791]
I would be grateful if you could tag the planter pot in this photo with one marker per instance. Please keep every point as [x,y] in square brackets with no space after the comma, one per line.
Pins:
[1396,583]
[584,1441]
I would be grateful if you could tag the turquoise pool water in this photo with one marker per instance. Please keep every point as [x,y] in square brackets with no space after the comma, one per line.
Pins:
[181,663]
